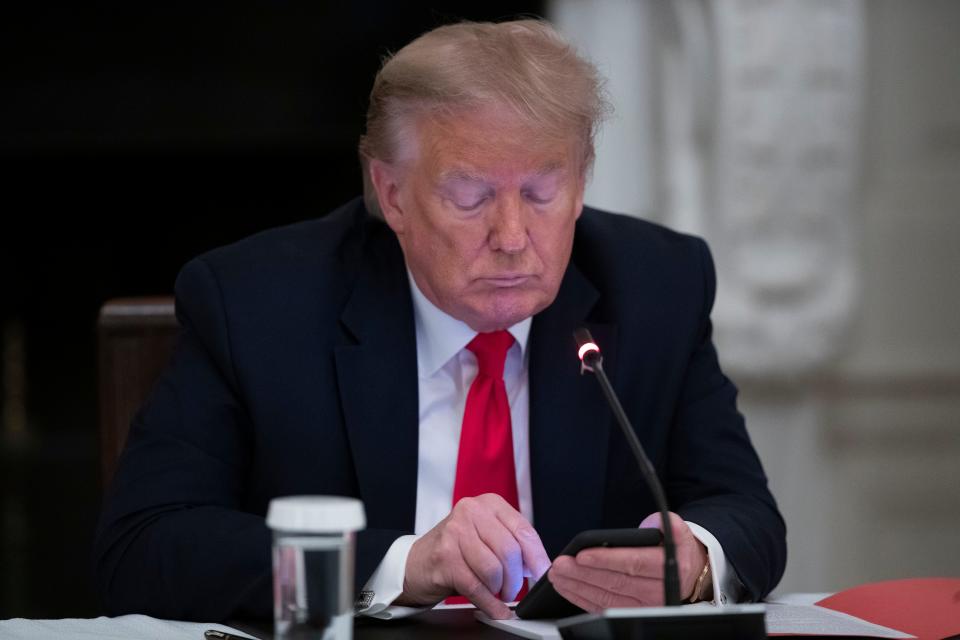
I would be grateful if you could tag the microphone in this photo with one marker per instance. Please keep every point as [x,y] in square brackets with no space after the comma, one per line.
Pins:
[591,360]
[729,622]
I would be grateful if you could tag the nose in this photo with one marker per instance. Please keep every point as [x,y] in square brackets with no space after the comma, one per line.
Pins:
[508,229]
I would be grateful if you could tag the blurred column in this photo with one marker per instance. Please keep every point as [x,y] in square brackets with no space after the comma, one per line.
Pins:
[613,33]
[784,172]
[752,113]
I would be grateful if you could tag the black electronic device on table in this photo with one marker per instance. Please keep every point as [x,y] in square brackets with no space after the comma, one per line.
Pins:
[543,601]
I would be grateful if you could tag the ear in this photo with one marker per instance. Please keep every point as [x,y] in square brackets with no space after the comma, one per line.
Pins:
[386,182]
[579,198]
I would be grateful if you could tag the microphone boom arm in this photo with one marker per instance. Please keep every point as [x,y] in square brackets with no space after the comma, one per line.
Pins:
[592,361]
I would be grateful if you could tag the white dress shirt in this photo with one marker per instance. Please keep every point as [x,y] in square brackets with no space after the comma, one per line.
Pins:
[445,371]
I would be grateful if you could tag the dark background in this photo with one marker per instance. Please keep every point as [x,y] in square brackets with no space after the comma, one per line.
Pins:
[134,136]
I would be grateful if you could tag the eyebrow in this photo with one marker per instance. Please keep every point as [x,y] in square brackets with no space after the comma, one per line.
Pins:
[550,167]
[462,174]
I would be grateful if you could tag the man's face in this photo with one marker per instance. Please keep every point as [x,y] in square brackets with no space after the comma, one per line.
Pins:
[484,210]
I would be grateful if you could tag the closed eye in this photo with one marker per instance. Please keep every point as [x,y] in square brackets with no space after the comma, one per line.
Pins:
[543,188]
[470,206]
[538,197]
[466,194]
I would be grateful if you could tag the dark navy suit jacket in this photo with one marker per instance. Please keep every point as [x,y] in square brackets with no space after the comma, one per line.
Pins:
[296,373]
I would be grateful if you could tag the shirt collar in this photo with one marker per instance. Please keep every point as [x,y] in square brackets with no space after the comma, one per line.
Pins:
[441,336]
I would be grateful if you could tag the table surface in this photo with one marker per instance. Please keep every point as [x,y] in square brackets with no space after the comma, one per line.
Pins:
[791,614]
[439,623]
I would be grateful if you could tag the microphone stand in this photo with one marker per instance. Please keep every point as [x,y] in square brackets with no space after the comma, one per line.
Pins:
[592,361]
[672,622]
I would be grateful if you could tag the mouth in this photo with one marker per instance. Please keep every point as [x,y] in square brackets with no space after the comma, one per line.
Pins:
[507,280]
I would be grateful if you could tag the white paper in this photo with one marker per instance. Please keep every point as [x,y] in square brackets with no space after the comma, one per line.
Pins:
[819,621]
[790,619]
[533,629]
[807,599]
[119,628]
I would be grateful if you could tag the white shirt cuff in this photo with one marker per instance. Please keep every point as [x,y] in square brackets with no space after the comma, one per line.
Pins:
[726,584]
[386,584]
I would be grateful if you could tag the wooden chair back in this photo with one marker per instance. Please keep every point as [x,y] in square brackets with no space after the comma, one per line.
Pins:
[135,341]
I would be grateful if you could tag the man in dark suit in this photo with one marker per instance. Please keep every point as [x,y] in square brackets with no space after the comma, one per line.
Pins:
[352,356]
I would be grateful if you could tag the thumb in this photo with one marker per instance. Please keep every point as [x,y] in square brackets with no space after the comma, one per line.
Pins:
[652,521]
[655,521]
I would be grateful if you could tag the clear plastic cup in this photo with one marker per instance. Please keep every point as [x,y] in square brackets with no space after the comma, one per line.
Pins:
[313,565]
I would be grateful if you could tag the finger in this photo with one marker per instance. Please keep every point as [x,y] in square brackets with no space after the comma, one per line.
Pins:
[691,553]
[593,596]
[564,565]
[535,558]
[568,591]
[489,539]
[502,543]
[677,523]
[652,521]
[644,590]
[472,588]
[643,562]
[481,561]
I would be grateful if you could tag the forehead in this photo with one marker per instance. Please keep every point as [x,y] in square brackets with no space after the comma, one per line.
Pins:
[492,143]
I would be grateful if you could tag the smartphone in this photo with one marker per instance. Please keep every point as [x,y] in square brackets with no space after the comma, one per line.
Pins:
[544,602]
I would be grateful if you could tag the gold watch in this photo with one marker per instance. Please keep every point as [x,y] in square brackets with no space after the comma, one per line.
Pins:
[701,585]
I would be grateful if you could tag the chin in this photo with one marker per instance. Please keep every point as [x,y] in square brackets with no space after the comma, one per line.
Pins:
[507,310]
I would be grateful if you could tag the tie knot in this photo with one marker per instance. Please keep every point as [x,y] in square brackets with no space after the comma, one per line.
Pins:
[491,351]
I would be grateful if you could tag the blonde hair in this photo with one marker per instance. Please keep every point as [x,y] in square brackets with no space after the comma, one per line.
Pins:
[523,64]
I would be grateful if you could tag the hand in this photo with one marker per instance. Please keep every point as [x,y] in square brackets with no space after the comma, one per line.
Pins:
[603,578]
[482,549]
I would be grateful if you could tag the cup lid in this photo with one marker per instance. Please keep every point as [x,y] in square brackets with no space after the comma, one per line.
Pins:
[316,514]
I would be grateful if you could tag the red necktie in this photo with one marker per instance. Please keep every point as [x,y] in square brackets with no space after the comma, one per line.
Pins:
[485,460]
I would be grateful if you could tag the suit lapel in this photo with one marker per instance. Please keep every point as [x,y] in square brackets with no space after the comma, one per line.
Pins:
[377,379]
[569,419]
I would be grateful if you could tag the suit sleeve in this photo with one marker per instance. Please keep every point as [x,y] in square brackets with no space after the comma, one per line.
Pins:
[174,539]
[714,477]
